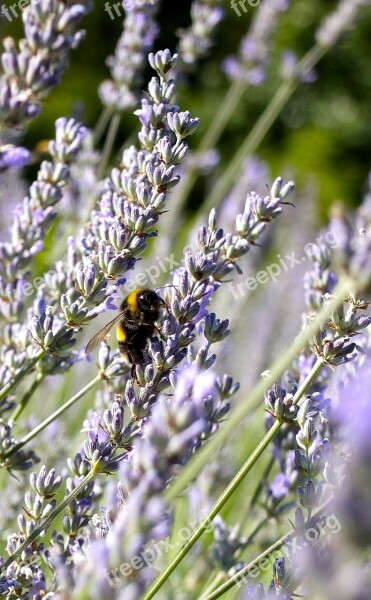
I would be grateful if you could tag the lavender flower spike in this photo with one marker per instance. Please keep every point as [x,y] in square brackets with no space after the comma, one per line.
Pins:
[30,73]
[128,62]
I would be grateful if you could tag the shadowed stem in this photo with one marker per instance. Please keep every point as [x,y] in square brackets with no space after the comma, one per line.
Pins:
[26,398]
[241,575]
[48,520]
[108,145]
[27,438]
[21,373]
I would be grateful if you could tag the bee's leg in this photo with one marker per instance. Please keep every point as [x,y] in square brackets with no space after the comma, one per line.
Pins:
[133,373]
[136,358]
[160,333]
[151,327]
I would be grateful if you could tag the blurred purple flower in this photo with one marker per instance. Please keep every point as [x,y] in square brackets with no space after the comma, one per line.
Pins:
[13,156]
[280,486]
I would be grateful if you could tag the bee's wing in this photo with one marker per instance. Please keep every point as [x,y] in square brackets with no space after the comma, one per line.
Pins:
[99,337]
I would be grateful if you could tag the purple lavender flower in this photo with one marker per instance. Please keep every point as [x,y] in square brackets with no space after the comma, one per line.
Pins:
[196,41]
[13,156]
[254,50]
[279,488]
[51,32]
[289,68]
[126,66]
[342,19]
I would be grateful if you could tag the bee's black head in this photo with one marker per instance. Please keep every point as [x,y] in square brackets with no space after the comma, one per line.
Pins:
[143,305]
[150,304]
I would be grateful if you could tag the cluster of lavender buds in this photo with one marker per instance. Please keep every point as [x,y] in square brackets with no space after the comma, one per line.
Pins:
[167,442]
[145,466]
[31,222]
[196,41]
[51,31]
[254,52]
[126,65]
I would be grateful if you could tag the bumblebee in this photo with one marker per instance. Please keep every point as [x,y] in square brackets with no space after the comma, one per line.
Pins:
[136,323]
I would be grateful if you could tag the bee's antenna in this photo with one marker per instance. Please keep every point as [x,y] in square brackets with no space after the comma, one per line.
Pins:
[166,286]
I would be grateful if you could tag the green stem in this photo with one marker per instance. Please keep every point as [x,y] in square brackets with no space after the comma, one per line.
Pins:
[240,411]
[210,139]
[21,373]
[216,580]
[260,129]
[27,438]
[240,575]
[223,115]
[48,520]
[230,489]
[101,124]
[205,523]
[108,145]
[27,396]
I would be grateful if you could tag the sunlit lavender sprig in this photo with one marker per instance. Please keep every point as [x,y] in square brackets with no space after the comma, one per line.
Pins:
[23,574]
[127,64]
[118,232]
[167,442]
[132,202]
[51,31]
[136,192]
[196,41]
[338,22]
[32,220]
[315,480]
[193,285]
[331,345]
[312,453]
[250,66]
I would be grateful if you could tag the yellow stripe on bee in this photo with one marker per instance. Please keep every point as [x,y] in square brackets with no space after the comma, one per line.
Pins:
[120,333]
[132,300]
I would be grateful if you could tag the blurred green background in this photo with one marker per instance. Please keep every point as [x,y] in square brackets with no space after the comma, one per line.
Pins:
[323,133]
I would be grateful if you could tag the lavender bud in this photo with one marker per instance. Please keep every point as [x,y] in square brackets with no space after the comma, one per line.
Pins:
[162,61]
